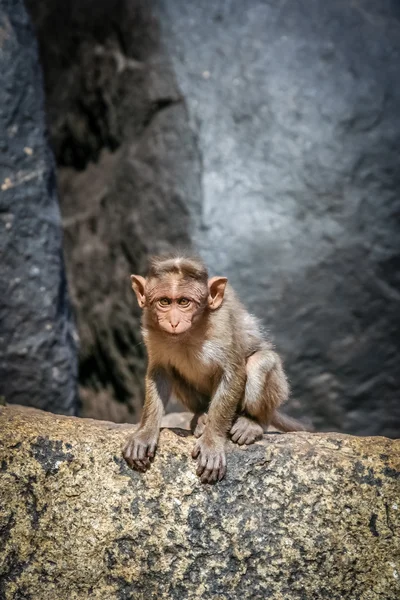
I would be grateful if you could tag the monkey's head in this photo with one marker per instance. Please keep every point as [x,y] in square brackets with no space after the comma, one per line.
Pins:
[176,293]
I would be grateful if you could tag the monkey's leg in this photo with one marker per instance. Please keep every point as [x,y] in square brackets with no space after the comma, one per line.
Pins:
[266,389]
[209,449]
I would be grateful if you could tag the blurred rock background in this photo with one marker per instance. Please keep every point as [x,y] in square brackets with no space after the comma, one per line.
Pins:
[38,341]
[267,135]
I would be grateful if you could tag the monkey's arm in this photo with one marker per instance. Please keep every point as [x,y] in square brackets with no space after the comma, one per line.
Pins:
[142,444]
[210,447]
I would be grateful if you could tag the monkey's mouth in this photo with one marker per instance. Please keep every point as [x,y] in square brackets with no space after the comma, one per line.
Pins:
[173,332]
[176,334]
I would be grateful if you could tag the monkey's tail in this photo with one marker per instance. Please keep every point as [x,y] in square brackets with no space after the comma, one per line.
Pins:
[287,424]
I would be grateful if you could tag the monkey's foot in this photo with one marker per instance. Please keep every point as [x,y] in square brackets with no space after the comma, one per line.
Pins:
[138,451]
[246,431]
[211,460]
[198,424]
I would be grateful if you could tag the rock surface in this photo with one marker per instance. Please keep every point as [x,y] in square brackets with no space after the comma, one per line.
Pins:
[38,355]
[299,516]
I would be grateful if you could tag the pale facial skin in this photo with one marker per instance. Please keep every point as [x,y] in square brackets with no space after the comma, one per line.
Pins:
[174,314]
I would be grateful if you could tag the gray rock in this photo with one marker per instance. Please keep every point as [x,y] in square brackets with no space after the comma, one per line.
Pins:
[128,176]
[299,516]
[297,110]
[267,133]
[38,356]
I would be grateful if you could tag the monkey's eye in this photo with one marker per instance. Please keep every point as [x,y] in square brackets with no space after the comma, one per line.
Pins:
[164,302]
[183,302]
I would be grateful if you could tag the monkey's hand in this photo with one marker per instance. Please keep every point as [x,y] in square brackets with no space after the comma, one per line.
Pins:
[211,459]
[140,448]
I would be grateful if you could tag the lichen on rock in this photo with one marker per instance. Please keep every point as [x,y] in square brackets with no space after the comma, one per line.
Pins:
[298,516]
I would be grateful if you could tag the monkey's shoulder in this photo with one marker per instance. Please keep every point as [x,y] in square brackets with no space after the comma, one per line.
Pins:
[240,327]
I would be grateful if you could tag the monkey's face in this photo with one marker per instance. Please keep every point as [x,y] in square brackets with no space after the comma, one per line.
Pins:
[175,315]
[175,304]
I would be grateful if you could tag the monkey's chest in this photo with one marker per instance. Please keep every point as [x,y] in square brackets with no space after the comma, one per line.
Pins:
[199,373]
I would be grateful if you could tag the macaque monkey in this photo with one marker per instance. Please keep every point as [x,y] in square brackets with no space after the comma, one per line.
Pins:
[204,347]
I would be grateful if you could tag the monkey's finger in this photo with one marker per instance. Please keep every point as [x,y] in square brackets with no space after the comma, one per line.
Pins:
[215,472]
[222,472]
[198,432]
[201,464]
[234,428]
[222,468]
[152,449]
[200,468]
[126,452]
[129,460]
[236,436]
[130,448]
[141,452]
[207,476]
[134,450]
[242,439]
[139,465]
[195,451]
[208,470]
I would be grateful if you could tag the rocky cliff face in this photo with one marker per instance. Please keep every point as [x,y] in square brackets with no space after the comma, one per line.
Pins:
[298,516]
[38,355]
[266,134]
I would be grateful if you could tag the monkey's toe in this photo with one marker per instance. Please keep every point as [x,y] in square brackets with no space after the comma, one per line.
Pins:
[211,461]
[198,425]
[246,431]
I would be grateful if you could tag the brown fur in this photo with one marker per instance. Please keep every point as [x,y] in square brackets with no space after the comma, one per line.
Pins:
[213,355]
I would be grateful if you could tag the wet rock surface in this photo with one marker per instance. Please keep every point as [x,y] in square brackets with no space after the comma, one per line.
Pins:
[38,354]
[298,516]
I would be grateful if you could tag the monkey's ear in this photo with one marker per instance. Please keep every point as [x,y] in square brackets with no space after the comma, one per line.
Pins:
[138,283]
[216,290]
